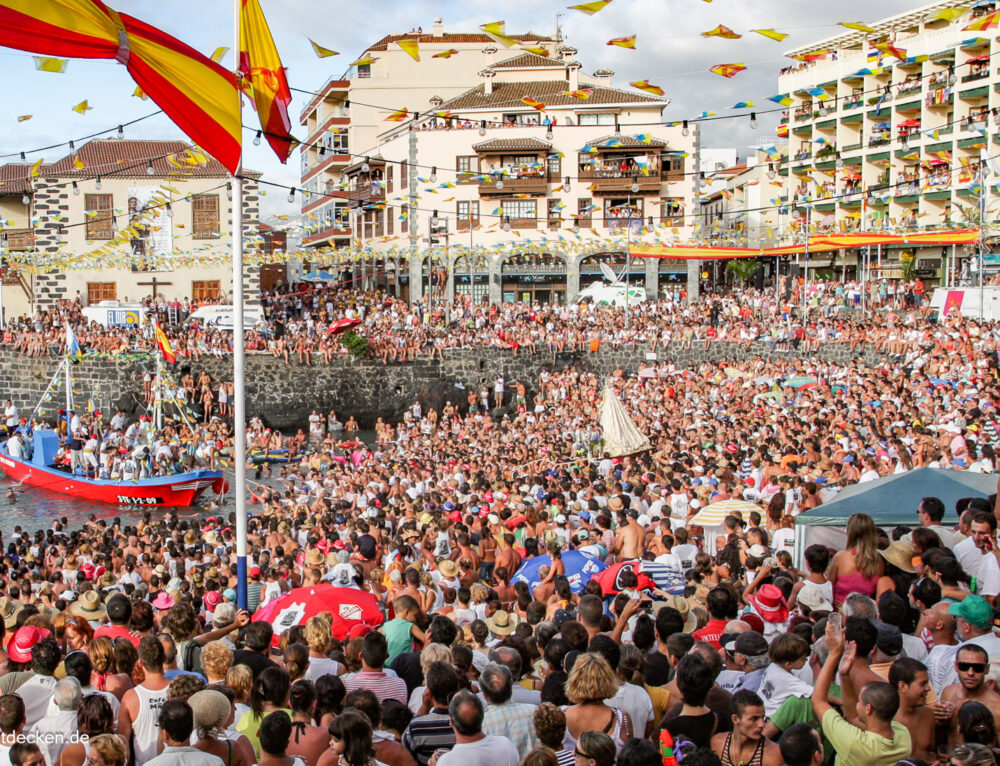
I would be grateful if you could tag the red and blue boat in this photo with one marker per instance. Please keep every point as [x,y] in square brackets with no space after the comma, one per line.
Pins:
[180,489]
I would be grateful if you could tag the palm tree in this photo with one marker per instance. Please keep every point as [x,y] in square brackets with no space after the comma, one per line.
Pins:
[743,269]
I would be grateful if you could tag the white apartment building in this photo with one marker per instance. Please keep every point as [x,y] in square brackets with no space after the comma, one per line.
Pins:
[120,219]
[491,170]
[886,130]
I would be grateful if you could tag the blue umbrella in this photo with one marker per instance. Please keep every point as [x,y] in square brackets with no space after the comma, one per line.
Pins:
[580,567]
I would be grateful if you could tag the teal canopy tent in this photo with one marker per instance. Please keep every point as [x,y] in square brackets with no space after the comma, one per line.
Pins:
[891,501]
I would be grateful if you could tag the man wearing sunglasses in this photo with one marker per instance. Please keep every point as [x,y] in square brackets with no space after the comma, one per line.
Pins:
[971,663]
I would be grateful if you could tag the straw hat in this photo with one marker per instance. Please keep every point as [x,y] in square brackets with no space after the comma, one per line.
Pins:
[681,605]
[88,606]
[8,611]
[502,623]
[901,555]
[448,568]
[315,558]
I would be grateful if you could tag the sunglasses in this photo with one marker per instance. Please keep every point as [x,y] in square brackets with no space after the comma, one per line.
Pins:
[975,667]
[576,751]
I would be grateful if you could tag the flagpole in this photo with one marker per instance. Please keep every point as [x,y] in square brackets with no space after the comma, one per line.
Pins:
[239,354]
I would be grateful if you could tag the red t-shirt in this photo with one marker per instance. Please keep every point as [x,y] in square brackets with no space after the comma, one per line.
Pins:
[116,631]
[711,633]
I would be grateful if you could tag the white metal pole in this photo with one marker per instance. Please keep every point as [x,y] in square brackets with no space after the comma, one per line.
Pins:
[239,363]
[69,400]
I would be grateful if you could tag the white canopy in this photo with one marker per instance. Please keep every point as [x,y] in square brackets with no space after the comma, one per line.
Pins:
[621,437]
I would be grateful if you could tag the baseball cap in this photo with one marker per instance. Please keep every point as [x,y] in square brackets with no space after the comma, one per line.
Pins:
[890,639]
[255,571]
[750,643]
[975,610]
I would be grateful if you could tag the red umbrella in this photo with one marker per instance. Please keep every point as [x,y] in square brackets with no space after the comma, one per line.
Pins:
[342,324]
[348,606]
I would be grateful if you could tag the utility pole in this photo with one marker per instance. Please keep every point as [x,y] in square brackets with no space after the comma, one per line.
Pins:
[416,267]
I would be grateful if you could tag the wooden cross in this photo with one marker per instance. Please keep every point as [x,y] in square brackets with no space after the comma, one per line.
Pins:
[154,282]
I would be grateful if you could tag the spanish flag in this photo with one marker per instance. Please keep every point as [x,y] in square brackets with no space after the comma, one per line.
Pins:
[261,67]
[161,340]
[194,91]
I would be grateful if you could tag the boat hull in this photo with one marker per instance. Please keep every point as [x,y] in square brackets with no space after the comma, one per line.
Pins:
[168,491]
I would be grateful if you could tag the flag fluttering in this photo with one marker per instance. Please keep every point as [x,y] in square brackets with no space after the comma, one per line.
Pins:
[83,107]
[320,51]
[529,101]
[411,48]
[72,344]
[859,26]
[647,86]
[723,32]
[947,14]
[164,345]
[623,42]
[727,70]
[398,116]
[497,30]
[50,64]
[989,21]
[197,94]
[261,67]
[590,8]
[771,34]
[445,54]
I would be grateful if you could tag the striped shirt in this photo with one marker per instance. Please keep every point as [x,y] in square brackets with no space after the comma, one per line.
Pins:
[427,733]
[384,686]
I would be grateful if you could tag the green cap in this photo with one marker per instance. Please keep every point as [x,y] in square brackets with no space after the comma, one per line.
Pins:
[975,610]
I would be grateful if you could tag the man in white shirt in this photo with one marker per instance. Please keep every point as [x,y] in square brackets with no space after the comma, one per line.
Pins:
[668,557]
[37,691]
[15,446]
[471,745]
[50,732]
[10,415]
[984,526]
[176,722]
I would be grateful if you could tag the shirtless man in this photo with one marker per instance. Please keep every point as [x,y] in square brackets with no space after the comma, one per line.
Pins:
[630,539]
[909,676]
[971,662]
[507,557]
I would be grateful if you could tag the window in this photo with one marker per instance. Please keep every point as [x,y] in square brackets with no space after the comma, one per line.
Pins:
[364,70]
[337,142]
[519,209]
[673,163]
[584,211]
[100,218]
[597,118]
[205,290]
[101,291]
[672,210]
[555,166]
[205,216]
[555,214]
[463,164]
[388,179]
[404,175]
[466,211]
[19,239]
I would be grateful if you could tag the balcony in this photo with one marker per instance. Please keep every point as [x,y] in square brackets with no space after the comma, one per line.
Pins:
[852,103]
[908,87]
[907,190]
[366,192]
[19,239]
[622,224]
[330,231]
[980,75]
[804,155]
[622,181]
[514,184]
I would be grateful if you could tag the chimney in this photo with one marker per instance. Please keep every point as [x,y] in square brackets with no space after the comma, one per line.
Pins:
[487,76]
[604,76]
[438,27]
[573,72]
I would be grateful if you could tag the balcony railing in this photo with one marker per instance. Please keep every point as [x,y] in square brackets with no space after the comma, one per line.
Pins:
[604,181]
[19,239]
[514,185]
[907,190]
[908,87]
[973,76]
[364,193]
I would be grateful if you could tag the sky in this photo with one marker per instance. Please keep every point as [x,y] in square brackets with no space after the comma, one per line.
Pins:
[670,52]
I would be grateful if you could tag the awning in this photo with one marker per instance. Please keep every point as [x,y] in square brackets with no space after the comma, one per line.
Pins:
[977,59]
[910,124]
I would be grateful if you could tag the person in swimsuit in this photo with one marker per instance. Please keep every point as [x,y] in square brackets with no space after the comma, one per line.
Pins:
[746,744]
[857,569]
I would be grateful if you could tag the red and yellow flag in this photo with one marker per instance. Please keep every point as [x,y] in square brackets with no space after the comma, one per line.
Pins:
[989,21]
[623,42]
[727,70]
[161,340]
[261,68]
[195,92]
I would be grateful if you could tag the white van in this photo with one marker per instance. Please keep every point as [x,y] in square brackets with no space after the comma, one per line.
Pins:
[603,294]
[220,317]
[115,314]
[965,300]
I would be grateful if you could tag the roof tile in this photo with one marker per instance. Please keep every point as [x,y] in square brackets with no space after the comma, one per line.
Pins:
[501,144]
[430,38]
[509,94]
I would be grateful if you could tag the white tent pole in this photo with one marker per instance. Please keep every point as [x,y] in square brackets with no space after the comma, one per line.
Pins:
[239,358]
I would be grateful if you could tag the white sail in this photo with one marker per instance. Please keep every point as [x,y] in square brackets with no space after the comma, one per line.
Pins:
[621,437]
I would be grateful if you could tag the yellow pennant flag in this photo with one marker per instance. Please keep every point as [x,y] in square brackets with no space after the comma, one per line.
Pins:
[398,116]
[647,86]
[219,52]
[948,14]
[320,51]
[537,51]
[497,30]
[590,8]
[140,93]
[723,32]
[623,42]
[727,70]
[35,168]
[860,26]
[24,117]
[83,107]
[366,60]
[445,54]
[78,164]
[411,47]
[771,33]
[49,64]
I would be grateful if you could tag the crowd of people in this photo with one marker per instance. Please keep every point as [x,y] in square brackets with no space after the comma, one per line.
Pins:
[466,526]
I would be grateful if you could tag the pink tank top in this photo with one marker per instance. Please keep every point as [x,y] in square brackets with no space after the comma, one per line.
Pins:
[853,583]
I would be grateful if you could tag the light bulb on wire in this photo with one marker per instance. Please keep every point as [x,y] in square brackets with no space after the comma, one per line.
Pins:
[753,120]
[256,139]
[291,195]
[685,130]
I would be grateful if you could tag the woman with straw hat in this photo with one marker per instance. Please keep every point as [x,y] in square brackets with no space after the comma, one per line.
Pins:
[213,713]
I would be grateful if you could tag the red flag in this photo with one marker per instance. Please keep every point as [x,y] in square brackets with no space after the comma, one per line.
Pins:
[164,344]
[261,68]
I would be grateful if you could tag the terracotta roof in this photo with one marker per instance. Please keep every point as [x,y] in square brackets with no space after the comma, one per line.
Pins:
[627,142]
[104,155]
[527,61]
[502,144]
[429,37]
[14,178]
[509,94]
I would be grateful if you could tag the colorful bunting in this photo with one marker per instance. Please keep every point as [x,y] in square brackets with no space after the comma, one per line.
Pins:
[722,31]
[623,42]
[320,51]
[782,100]
[218,53]
[411,48]
[140,93]
[860,26]
[398,116]
[49,64]
[742,105]
[947,14]
[538,51]
[771,33]
[727,70]
[529,101]
[24,117]
[497,30]
[83,107]
[647,86]
[892,50]
[989,21]
[590,8]
[364,61]
[583,94]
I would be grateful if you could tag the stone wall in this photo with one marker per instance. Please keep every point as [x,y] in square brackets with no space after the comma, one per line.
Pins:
[284,395]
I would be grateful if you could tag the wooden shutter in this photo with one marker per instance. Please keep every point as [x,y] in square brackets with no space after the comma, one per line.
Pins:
[100,218]
[101,291]
[205,290]
[205,215]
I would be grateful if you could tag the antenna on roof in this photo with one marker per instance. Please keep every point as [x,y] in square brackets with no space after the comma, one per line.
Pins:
[555,22]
